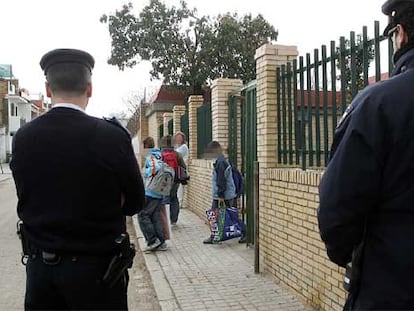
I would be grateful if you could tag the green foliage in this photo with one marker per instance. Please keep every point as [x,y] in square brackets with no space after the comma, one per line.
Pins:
[185,49]
[359,63]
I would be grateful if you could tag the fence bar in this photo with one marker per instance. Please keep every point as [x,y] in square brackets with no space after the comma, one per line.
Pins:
[343,72]
[353,69]
[309,121]
[302,133]
[325,104]
[284,126]
[377,52]
[317,112]
[333,86]
[295,108]
[290,103]
[279,121]
[390,55]
[365,60]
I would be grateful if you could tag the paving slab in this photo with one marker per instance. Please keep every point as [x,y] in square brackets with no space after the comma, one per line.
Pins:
[193,276]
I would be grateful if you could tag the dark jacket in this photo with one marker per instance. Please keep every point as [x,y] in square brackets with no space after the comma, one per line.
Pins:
[71,171]
[369,183]
[223,184]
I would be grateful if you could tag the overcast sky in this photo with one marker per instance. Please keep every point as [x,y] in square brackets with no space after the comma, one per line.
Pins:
[30,28]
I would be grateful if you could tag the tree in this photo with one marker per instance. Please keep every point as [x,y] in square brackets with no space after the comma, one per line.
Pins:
[359,64]
[133,103]
[185,49]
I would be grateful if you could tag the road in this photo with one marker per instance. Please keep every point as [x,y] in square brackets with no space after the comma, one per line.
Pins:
[141,294]
[12,280]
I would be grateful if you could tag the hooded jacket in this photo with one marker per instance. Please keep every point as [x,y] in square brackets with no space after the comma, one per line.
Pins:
[150,169]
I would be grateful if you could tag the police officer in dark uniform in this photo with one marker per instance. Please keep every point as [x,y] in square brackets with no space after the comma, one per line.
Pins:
[366,213]
[76,178]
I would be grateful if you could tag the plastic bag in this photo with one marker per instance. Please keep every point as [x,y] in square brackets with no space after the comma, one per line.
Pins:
[225,223]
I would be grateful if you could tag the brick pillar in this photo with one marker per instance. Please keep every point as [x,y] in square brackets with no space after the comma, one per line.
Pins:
[167,116]
[194,102]
[178,111]
[220,90]
[268,58]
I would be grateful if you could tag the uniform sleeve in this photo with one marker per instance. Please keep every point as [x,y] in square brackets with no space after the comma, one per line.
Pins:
[351,183]
[131,181]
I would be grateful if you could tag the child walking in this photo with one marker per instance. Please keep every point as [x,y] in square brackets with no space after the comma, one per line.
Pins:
[224,190]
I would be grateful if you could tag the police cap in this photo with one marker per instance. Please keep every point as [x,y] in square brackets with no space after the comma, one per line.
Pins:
[393,8]
[61,56]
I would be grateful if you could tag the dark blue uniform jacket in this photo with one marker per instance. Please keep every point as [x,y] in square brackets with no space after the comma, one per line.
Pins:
[72,174]
[369,183]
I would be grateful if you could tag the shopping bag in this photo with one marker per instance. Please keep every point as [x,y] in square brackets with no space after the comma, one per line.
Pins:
[224,223]
[165,219]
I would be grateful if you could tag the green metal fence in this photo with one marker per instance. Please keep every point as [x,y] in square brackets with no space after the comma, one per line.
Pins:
[204,128]
[233,119]
[160,131]
[249,152]
[171,127]
[185,125]
[312,93]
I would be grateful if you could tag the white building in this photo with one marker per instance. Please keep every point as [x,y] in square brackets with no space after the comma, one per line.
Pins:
[17,110]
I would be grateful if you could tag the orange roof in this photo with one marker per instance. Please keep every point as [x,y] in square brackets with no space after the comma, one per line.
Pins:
[176,95]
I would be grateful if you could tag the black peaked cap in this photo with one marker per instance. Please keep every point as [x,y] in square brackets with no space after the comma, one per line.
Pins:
[390,5]
[60,56]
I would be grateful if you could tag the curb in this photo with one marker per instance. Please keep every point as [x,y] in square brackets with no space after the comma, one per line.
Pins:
[165,294]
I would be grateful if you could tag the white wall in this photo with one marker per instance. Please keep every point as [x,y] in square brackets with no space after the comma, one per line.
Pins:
[2,144]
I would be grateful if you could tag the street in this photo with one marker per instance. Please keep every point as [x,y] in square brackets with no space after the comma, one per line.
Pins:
[12,280]
[141,293]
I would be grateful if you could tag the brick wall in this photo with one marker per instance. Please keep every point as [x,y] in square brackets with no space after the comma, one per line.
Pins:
[290,245]
[220,91]
[199,188]
[154,122]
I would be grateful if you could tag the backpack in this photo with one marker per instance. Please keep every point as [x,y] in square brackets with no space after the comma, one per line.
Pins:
[170,157]
[238,181]
[161,181]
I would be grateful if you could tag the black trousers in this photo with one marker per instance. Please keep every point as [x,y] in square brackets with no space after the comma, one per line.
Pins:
[73,284]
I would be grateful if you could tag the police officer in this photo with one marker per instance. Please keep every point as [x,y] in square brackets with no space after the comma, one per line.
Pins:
[76,178]
[366,213]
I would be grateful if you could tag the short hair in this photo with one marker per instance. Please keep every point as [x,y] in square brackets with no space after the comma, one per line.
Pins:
[68,78]
[166,142]
[214,147]
[148,142]
[184,137]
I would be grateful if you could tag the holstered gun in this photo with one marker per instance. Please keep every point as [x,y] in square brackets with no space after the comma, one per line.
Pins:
[26,246]
[121,261]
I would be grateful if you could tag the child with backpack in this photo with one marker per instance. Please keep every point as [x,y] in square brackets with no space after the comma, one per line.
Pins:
[174,160]
[150,217]
[224,189]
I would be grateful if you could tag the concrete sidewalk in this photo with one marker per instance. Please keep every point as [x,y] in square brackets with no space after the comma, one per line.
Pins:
[6,174]
[194,276]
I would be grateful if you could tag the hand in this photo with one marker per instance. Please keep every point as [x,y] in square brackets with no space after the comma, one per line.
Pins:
[221,200]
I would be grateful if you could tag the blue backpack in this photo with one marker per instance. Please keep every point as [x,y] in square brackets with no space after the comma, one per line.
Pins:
[238,181]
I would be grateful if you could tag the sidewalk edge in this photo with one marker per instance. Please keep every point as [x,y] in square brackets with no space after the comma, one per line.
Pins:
[165,294]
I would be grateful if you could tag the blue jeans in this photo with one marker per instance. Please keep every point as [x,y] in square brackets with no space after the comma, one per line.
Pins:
[150,220]
[174,204]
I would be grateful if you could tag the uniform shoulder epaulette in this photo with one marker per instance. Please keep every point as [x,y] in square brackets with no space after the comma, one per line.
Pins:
[116,122]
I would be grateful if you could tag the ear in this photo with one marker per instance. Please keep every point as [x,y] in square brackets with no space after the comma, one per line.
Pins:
[48,91]
[402,34]
[89,90]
